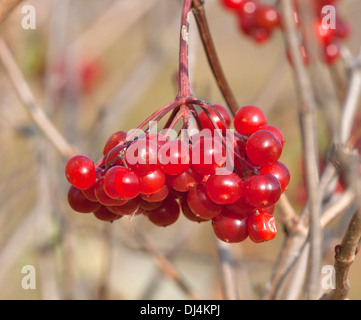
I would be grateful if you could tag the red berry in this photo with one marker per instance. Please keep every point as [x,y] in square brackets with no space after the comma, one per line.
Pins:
[130,207]
[343,29]
[185,181]
[175,157]
[267,17]
[78,202]
[188,213]
[157,196]
[260,34]
[261,227]
[208,155]
[248,120]
[152,182]
[148,206]
[230,227]
[201,204]
[104,214]
[324,34]
[276,131]
[248,8]
[269,210]
[224,189]
[263,148]
[332,52]
[280,171]
[90,194]
[262,190]
[232,4]
[241,207]
[115,139]
[120,182]
[223,121]
[166,214]
[103,198]
[80,172]
[142,156]
[113,156]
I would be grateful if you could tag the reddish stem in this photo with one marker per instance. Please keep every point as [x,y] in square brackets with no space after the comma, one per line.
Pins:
[184,88]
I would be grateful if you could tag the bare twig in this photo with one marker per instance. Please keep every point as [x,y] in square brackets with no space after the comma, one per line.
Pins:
[200,16]
[35,111]
[6,6]
[164,264]
[307,109]
[228,276]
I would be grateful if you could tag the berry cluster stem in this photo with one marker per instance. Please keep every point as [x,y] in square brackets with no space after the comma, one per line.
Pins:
[184,88]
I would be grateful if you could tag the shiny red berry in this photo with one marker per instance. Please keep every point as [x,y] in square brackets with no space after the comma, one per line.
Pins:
[261,227]
[80,172]
[230,227]
[248,120]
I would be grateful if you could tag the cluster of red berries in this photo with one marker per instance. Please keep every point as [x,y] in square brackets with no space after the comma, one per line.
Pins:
[235,185]
[329,38]
[258,21]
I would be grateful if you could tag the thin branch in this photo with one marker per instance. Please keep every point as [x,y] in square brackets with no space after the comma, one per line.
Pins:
[307,109]
[201,20]
[6,7]
[228,276]
[164,264]
[35,111]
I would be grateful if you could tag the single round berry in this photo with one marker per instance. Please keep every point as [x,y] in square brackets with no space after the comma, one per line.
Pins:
[142,156]
[152,182]
[90,194]
[261,227]
[113,157]
[188,213]
[332,52]
[276,131]
[175,157]
[224,188]
[157,196]
[324,33]
[262,190]
[121,182]
[249,119]
[166,214]
[241,207]
[233,4]
[343,29]
[260,34]
[268,17]
[130,207]
[230,227]
[79,203]
[115,139]
[103,197]
[280,171]
[80,172]
[148,206]
[185,181]
[104,214]
[208,155]
[201,204]
[263,148]
[223,120]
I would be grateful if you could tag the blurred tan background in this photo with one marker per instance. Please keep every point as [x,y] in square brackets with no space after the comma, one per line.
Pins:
[127,52]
